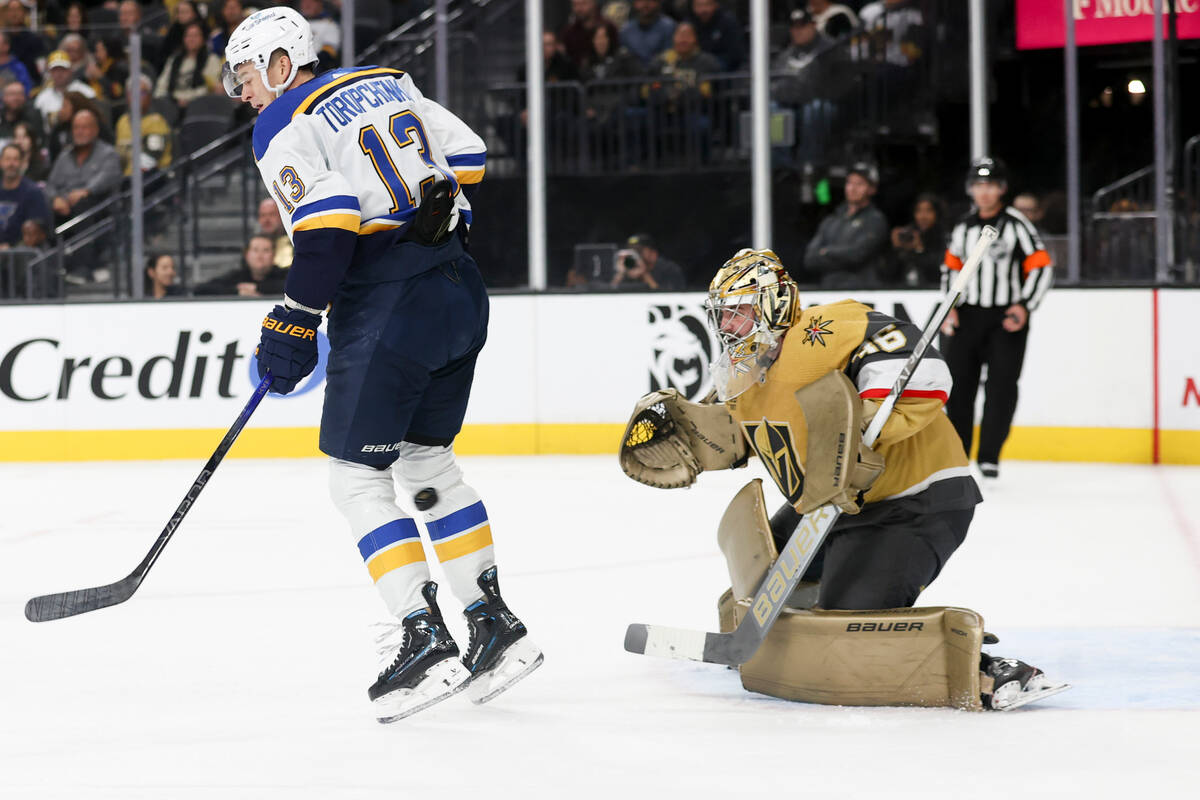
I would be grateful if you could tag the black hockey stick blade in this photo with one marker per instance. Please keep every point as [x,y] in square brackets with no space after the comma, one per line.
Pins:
[68,604]
[739,646]
[80,601]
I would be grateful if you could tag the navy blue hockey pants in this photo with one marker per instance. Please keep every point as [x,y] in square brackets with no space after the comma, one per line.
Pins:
[404,333]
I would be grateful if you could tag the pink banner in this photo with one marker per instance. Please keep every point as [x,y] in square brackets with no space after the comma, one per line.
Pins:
[1040,22]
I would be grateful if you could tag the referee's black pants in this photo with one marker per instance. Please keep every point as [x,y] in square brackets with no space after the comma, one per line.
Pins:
[980,339]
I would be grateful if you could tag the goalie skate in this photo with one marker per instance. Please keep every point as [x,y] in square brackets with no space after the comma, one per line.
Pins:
[424,669]
[499,653]
[1017,684]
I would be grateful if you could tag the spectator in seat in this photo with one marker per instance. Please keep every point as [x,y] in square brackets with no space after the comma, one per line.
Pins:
[684,66]
[232,14]
[1029,205]
[919,247]
[82,176]
[129,17]
[256,277]
[849,244]
[833,19]
[11,68]
[640,268]
[20,198]
[185,13]
[49,98]
[719,33]
[270,224]
[61,136]
[33,234]
[327,34]
[649,32]
[17,108]
[609,60]
[579,32]
[76,48]
[810,85]
[86,172]
[896,31]
[109,70]
[75,19]
[28,137]
[156,136]
[24,43]
[160,277]
[190,72]
[678,97]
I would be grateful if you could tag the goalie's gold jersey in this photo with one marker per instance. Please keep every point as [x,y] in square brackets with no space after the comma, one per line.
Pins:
[918,443]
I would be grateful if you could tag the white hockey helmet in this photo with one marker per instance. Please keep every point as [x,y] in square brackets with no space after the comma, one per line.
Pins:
[261,34]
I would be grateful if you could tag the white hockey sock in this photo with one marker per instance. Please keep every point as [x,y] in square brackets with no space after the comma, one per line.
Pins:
[387,538]
[457,522]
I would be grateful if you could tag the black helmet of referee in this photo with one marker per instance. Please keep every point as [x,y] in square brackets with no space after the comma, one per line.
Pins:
[987,169]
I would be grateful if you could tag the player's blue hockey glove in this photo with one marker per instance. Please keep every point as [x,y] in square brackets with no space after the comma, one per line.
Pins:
[288,347]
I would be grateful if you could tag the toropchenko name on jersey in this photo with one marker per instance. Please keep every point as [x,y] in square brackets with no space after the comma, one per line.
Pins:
[352,101]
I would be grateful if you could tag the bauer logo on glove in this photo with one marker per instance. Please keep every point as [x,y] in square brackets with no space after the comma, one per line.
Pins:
[288,328]
[288,347]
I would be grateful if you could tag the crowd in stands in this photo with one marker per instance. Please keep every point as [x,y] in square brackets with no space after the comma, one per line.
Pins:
[854,247]
[655,70]
[65,126]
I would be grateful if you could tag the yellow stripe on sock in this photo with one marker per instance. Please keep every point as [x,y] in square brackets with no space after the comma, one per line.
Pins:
[399,556]
[464,545]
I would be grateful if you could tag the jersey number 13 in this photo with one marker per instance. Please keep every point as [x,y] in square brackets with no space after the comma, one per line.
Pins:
[406,130]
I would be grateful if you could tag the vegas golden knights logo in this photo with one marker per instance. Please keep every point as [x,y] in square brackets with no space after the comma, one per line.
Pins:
[773,443]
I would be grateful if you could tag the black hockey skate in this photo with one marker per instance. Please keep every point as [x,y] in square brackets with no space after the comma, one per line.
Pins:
[499,653]
[426,670]
[1014,683]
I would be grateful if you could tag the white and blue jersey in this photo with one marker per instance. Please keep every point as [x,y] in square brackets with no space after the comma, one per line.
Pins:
[346,157]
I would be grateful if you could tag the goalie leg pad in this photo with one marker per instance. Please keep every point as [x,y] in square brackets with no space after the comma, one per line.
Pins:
[744,536]
[897,657]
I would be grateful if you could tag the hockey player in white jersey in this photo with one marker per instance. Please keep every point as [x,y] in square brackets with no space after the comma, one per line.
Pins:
[369,177]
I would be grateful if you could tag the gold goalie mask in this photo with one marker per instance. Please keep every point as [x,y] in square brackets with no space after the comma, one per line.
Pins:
[751,302]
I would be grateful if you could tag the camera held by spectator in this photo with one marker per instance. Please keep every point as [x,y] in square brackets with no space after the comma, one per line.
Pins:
[640,267]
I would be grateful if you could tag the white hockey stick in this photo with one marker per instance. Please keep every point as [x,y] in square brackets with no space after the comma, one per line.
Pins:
[740,645]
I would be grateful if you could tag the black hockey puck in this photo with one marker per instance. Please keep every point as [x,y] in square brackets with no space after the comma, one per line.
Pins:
[425,499]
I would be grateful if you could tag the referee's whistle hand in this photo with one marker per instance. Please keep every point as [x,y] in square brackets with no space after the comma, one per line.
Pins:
[1015,317]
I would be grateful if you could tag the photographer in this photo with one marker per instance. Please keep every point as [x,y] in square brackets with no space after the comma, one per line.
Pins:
[640,268]
[917,248]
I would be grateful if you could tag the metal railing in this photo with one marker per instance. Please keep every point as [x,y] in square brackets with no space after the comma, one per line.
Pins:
[663,123]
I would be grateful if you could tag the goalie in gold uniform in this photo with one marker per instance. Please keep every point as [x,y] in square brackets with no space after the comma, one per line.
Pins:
[797,387]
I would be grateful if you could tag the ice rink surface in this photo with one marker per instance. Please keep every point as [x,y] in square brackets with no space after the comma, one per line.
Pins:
[240,668]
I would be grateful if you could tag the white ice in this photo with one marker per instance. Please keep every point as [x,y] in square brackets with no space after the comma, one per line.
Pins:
[240,668]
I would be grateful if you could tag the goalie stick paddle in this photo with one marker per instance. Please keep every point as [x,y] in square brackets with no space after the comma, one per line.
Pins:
[80,601]
[740,645]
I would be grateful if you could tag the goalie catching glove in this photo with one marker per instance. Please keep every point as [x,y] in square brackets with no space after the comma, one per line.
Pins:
[670,440]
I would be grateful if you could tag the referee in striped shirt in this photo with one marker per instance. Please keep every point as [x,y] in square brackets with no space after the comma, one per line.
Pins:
[991,324]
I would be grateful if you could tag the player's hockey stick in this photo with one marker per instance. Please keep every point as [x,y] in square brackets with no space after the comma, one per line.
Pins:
[80,601]
[741,644]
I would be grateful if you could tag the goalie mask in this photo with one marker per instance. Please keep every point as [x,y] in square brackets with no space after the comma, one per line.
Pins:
[751,302]
[261,34]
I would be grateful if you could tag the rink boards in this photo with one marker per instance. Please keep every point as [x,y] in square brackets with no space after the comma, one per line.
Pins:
[1110,375]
